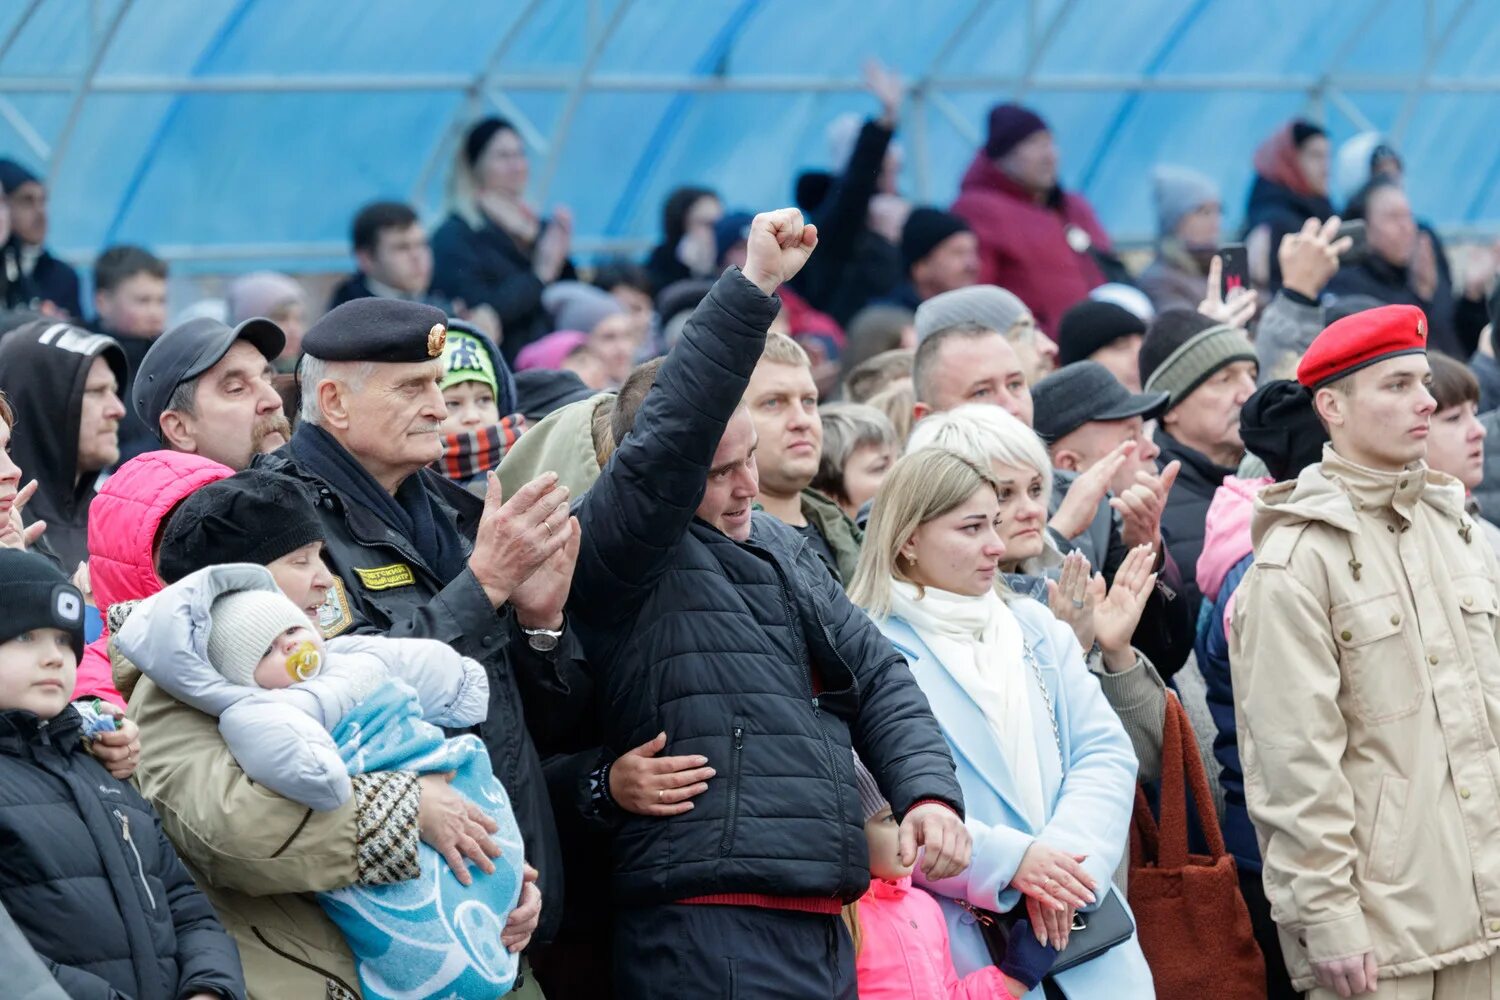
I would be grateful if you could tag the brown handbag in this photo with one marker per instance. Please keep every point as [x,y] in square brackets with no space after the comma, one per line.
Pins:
[1190,918]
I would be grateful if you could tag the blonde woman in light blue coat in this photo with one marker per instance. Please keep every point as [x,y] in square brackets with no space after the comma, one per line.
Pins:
[1047,770]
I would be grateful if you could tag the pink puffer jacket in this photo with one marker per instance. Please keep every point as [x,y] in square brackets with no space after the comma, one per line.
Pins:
[123,524]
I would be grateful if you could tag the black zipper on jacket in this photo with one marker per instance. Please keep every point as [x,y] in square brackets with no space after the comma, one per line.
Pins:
[838,798]
[726,844]
[794,623]
[305,964]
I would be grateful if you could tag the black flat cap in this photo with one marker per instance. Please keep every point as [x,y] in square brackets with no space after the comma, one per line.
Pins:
[382,330]
[1084,392]
[187,351]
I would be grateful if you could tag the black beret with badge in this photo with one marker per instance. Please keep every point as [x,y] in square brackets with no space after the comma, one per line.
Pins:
[380,330]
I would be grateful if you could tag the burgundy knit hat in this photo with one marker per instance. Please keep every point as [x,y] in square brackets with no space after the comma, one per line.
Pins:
[1010,125]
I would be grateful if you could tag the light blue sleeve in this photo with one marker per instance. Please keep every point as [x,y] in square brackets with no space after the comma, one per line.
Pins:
[998,850]
[1097,798]
[279,745]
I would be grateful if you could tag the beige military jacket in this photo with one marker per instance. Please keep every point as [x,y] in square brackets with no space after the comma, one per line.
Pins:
[1367,694]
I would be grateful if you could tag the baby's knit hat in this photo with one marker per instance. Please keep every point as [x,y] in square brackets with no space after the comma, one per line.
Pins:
[242,626]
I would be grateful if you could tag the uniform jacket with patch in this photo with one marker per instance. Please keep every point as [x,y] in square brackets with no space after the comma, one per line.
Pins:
[1367,700]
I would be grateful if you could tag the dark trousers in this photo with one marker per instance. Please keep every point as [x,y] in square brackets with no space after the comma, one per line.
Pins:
[1278,983]
[702,952]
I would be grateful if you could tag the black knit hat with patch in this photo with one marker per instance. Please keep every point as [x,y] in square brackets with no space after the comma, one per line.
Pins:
[34,594]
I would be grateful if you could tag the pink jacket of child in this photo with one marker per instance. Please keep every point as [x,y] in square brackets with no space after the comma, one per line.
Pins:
[124,523]
[904,951]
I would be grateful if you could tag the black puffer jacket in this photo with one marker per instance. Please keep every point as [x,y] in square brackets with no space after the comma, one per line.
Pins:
[748,653]
[91,880]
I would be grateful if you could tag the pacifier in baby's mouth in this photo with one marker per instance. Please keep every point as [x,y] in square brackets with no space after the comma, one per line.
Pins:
[304,662]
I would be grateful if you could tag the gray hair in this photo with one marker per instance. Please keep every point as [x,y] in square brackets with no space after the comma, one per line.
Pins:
[311,372]
[985,434]
[847,427]
[184,399]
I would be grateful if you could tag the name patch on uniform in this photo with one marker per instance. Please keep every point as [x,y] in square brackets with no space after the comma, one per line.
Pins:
[386,577]
[334,616]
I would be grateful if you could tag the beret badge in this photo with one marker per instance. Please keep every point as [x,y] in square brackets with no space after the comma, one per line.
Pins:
[436,338]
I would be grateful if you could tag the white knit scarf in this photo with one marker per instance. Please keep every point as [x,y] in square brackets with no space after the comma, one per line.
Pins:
[979,643]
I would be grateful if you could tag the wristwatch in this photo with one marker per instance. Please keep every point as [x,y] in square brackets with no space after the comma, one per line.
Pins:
[543,640]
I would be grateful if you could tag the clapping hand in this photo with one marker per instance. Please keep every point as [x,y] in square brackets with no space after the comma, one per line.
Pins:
[1118,614]
[1141,505]
[14,533]
[1072,597]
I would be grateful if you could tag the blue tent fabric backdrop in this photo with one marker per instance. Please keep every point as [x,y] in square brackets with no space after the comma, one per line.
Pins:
[240,133]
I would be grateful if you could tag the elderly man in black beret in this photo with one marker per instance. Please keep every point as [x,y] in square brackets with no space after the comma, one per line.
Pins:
[416,555]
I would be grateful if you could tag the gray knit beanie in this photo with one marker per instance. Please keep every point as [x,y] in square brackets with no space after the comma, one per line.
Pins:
[1188,363]
[988,305]
[1178,192]
[871,798]
[242,626]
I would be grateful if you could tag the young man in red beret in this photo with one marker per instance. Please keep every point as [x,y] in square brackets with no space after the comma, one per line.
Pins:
[1366,674]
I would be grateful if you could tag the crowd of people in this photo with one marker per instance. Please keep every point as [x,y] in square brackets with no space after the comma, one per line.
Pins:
[805,611]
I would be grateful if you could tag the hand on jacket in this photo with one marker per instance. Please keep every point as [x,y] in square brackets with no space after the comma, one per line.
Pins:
[943,837]
[1309,259]
[518,535]
[1118,614]
[1072,596]
[539,598]
[14,534]
[1141,505]
[1077,510]
[455,827]
[521,923]
[1054,878]
[647,785]
[119,751]
[1236,310]
[1348,976]
[779,244]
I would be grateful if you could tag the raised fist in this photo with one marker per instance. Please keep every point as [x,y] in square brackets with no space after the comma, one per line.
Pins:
[778,245]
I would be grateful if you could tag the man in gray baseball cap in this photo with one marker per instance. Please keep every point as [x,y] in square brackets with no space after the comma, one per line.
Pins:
[205,388]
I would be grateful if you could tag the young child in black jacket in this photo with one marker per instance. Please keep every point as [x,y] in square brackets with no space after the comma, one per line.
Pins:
[85,870]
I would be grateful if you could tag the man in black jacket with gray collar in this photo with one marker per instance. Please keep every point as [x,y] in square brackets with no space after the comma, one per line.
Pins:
[717,625]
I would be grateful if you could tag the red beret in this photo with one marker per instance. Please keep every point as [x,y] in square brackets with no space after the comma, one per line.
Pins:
[1360,340]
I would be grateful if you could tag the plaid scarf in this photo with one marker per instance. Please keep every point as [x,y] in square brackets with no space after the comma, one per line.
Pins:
[468,455]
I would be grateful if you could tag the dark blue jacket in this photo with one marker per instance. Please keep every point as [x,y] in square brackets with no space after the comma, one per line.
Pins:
[1212,649]
[747,653]
[91,880]
[484,266]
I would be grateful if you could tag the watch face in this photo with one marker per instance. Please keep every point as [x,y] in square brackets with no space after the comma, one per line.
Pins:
[542,642]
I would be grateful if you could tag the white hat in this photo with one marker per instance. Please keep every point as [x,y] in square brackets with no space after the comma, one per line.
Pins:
[243,625]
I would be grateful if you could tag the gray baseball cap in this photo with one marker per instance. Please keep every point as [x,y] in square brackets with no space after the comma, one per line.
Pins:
[187,351]
[1084,392]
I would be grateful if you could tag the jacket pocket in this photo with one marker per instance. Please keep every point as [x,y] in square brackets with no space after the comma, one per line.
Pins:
[1377,660]
[732,807]
[1478,602]
[1384,855]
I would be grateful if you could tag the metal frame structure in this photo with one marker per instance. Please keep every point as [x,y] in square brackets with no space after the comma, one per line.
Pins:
[491,86]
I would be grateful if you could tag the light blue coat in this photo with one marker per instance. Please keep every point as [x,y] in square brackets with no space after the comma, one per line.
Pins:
[1089,805]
